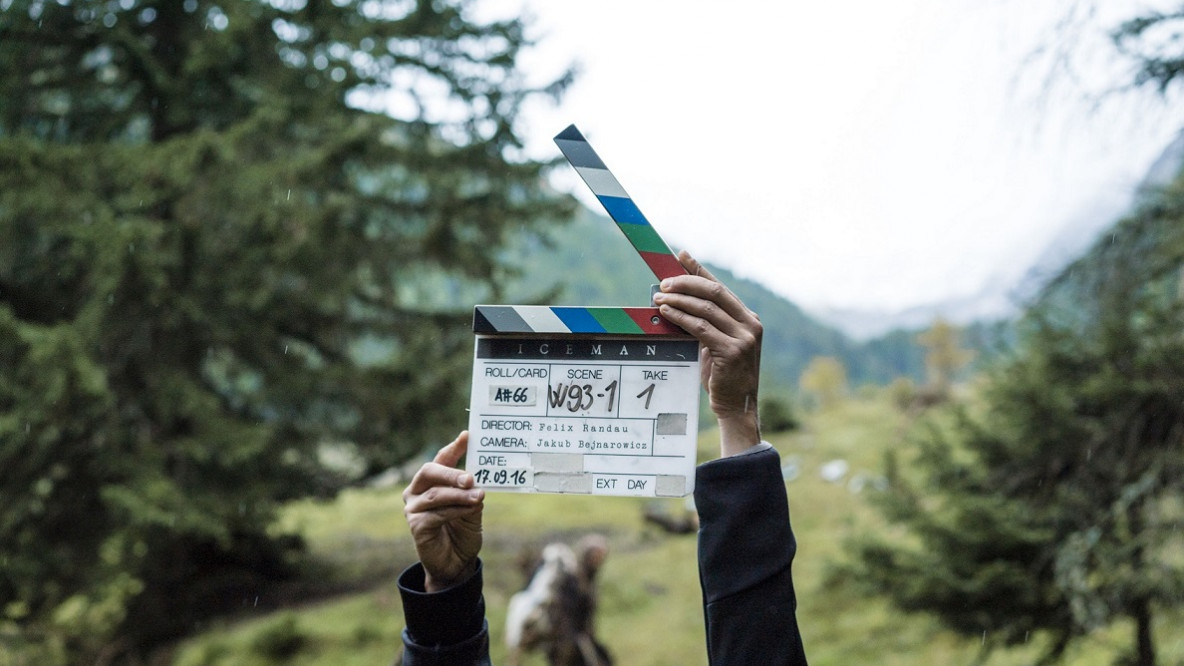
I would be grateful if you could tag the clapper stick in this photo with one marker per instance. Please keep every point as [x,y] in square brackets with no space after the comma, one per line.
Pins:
[617,203]
[596,320]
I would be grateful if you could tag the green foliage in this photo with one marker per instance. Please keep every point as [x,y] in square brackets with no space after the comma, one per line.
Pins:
[777,415]
[206,237]
[1058,511]
[281,639]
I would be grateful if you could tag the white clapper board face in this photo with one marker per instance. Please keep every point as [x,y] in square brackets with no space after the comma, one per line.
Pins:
[596,415]
[600,401]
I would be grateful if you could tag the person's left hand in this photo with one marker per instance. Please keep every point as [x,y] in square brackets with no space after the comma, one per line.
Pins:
[443,508]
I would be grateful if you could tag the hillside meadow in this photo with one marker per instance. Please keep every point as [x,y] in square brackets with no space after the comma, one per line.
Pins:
[650,601]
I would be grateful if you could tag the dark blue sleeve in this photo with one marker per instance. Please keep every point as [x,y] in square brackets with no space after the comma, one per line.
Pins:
[746,549]
[445,628]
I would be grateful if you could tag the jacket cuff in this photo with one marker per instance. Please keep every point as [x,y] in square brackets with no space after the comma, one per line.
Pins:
[742,509]
[445,618]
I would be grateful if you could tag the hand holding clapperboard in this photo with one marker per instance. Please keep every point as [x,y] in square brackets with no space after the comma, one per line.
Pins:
[593,400]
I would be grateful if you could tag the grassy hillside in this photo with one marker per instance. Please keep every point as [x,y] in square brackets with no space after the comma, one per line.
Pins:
[651,613]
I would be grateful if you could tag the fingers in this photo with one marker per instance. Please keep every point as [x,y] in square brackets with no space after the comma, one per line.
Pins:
[443,505]
[705,297]
[434,475]
[442,471]
[707,318]
[437,488]
[702,319]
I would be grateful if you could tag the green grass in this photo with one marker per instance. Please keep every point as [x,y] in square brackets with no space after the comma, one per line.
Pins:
[651,612]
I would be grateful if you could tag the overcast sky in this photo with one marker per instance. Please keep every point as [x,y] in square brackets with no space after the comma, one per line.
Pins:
[862,154]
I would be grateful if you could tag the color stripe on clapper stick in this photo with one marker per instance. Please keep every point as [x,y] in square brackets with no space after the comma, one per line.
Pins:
[571,319]
[620,207]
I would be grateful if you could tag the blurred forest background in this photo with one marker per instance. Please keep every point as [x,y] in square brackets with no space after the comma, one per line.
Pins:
[235,302]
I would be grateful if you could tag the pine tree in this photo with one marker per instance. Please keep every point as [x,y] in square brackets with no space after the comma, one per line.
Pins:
[213,243]
[1058,512]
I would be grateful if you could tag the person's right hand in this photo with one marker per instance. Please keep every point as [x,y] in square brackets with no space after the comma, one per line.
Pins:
[443,509]
[729,337]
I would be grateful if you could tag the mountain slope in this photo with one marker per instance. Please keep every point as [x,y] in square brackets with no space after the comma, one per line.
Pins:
[589,262]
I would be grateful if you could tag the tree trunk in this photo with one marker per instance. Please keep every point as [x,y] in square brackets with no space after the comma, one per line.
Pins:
[1144,641]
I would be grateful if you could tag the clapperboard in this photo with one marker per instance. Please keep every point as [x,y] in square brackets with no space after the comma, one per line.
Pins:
[592,400]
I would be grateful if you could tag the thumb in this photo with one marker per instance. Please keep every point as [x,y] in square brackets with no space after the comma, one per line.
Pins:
[450,455]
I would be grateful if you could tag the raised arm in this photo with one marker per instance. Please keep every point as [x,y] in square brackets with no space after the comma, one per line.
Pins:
[746,545]
[443,508]
[442,602]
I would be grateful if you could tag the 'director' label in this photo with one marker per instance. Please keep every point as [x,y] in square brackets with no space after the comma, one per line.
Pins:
[578,414]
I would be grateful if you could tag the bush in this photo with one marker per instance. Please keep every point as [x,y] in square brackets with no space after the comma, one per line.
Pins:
[280,640]
[903,392]
[777,415]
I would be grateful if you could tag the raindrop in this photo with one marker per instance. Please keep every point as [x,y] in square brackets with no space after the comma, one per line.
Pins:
[26,427]
[285,349]
[289,194]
